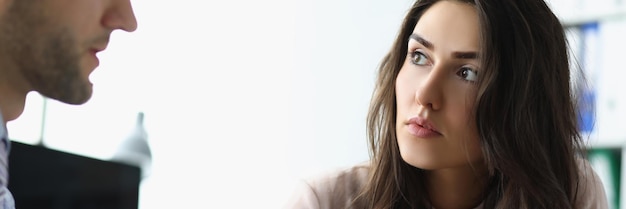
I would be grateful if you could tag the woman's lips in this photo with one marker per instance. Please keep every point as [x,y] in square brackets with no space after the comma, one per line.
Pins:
[422,128]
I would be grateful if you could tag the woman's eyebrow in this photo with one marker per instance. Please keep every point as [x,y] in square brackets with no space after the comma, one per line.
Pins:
[422,41]
[465,55]
[429,45]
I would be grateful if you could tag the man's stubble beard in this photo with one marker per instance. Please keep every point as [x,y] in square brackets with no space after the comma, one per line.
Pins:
[44,54]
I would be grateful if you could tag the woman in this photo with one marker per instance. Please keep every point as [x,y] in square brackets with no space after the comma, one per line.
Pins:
[472,109]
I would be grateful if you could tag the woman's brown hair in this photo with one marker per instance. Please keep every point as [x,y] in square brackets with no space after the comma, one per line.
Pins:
[525,113]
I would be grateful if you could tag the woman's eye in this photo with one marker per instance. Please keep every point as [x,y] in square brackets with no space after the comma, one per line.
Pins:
[418,58]
[468,74]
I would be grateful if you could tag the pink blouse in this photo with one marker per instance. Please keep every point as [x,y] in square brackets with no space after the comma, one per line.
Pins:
[337,189]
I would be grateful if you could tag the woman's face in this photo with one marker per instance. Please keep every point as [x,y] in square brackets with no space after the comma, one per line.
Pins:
[435,89]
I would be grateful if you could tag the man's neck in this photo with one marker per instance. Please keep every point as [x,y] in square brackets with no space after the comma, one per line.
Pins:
[456,188]
[12,106]
[13,88]
[12,95]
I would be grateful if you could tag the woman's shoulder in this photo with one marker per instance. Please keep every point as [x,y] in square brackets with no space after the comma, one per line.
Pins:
[590,193]
[331,189]
[341,177]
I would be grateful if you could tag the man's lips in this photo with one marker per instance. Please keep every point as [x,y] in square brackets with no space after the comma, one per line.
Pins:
[93,53]
[97,49]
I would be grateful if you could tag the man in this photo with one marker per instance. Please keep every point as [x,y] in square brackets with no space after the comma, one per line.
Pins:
[50,46]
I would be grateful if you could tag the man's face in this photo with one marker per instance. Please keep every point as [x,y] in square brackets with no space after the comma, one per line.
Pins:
[50,46]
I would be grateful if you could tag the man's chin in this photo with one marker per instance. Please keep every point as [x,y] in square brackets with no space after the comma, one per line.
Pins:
[76,97]
[79,99]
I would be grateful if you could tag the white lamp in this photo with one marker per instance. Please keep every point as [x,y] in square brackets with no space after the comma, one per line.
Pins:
[135,150]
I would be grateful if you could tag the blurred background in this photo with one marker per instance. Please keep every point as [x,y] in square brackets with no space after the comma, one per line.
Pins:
[240,99]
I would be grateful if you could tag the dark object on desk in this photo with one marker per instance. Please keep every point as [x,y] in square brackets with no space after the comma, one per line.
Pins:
[44,178]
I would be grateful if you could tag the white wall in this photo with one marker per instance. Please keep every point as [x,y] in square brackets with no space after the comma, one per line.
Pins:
[241,97]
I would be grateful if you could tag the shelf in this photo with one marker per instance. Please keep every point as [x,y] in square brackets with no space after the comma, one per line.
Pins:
[596,141]
[587,17]
[605,143]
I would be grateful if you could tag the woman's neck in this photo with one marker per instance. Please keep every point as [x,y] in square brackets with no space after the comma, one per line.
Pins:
[456,188]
